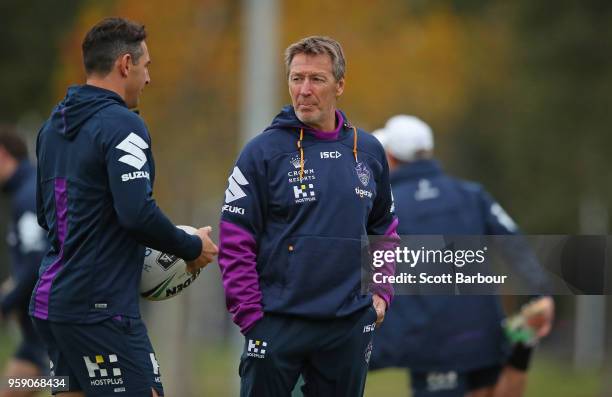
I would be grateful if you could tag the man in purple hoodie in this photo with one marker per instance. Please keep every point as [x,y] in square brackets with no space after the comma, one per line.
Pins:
[301,196]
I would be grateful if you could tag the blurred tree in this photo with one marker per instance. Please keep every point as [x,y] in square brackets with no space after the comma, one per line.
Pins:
[540,141]
[517,92]
[30,33]
[401,57]
[192,102]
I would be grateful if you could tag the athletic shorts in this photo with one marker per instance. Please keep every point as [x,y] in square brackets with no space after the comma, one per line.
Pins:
[452,383]
[112,357]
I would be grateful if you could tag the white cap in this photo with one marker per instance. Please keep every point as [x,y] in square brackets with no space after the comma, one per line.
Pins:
[381,136]
[404,136]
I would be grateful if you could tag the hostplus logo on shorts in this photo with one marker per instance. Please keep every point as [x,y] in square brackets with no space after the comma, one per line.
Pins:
[304,193]
[256,348]
[98,369]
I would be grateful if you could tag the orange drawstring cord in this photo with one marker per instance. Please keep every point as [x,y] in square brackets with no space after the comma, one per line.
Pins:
[299,145]
[355,143]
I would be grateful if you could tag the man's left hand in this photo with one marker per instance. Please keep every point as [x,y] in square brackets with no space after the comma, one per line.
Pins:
[380,306]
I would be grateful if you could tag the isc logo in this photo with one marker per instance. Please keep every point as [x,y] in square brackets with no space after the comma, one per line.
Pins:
[331,155]
[369,328]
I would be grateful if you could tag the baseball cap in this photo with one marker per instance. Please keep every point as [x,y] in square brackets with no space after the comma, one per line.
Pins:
[404,136]
[381,136]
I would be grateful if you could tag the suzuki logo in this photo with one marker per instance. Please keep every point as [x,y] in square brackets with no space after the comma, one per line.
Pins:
[134,145]
[234,191]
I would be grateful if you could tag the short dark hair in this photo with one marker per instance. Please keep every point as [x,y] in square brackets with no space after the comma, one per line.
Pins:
[109,39]
[13,143]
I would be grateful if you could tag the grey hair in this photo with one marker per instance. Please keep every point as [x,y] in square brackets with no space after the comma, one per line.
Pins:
[317,45]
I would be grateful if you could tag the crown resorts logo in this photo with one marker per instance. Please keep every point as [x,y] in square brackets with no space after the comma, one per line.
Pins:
[295,175]
[296,161]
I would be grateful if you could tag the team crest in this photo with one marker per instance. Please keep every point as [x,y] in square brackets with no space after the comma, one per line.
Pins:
[363,173]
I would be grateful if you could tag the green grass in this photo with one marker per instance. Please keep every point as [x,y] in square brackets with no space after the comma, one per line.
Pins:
[218,369]
[218,376]
[8,343]
[556,378]
[215,373]
[547,378]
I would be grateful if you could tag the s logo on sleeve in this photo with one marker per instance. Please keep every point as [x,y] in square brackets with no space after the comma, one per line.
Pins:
[234,190]
[134,145]
[503,218]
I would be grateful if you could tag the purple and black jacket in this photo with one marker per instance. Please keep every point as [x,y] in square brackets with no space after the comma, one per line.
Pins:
[293,221]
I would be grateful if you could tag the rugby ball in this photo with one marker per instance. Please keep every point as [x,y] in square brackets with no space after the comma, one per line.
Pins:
[163,275]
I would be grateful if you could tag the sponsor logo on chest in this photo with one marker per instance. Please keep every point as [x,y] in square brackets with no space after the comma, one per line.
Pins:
[331,155]
[304,193]
[294,174]
[362,193]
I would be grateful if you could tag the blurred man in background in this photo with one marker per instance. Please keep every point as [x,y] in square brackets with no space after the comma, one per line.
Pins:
[27,244]
[95,198]
[300,197]
[454,346]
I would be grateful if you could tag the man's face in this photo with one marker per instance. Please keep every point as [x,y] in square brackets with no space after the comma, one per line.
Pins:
[314,90]
[137,77]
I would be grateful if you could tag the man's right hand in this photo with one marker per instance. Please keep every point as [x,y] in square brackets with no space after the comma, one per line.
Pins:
[209,250]
[539,315]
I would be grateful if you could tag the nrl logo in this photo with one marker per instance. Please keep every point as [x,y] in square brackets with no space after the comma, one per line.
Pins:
[295,161]
[166,261]
[363,173]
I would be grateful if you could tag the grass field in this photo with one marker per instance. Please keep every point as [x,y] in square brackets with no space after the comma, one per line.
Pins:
[215,373]
[548,378]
